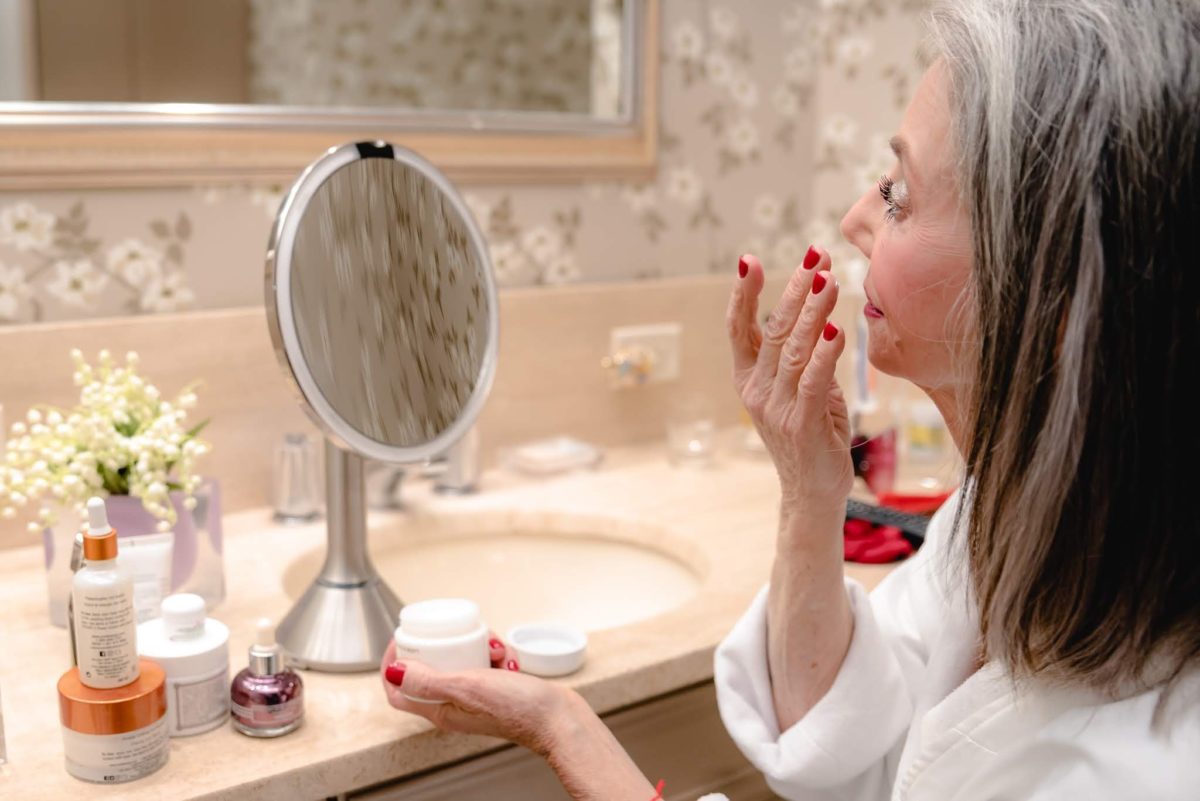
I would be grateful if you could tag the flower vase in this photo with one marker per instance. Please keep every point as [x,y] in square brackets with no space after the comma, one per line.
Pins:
[197,564]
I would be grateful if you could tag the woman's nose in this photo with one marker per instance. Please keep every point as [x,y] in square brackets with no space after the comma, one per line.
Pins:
[856,226]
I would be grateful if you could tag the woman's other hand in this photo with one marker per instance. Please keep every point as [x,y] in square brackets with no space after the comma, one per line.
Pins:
[785,378]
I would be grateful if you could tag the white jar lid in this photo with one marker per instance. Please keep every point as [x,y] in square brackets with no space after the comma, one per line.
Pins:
[440,617]
[548,649]
[183,615]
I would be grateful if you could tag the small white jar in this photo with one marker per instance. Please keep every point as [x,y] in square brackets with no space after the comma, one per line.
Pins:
[193,651]
[444,633]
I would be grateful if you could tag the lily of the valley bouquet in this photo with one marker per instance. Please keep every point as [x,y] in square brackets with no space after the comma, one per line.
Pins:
[122,439]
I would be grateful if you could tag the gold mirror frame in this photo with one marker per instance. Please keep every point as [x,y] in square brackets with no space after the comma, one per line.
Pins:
[80,146]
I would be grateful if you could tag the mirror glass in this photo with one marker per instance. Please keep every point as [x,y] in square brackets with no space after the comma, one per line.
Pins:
[475,55]
[383,301]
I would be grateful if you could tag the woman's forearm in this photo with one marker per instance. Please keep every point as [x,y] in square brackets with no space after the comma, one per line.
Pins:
[589,761]
[809,622]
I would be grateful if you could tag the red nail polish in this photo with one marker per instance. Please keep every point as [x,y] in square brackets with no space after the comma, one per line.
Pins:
[496,645]
[811,258]
[743,267]
[395,673]
[818,283]
[830,332]
[512,665]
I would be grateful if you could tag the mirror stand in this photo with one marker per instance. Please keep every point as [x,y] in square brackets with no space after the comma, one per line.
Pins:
[346,618]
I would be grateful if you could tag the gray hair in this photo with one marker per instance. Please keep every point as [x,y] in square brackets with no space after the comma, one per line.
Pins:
[1077,129]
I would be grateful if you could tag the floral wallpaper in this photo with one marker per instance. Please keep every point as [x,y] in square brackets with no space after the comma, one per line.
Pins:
[477,54]
[774,117]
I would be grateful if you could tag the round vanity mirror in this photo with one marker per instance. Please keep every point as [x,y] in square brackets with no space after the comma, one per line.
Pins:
[382,308]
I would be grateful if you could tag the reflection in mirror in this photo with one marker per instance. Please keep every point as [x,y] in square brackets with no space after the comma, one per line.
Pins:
[477,55]
[388,298]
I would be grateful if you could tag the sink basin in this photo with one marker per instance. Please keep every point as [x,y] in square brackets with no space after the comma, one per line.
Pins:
[593,573]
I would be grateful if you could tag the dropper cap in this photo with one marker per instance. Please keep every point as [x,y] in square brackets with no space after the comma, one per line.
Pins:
[100,540]
[266,657]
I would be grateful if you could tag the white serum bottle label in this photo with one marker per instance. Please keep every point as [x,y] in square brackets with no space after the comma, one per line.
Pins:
[106,635]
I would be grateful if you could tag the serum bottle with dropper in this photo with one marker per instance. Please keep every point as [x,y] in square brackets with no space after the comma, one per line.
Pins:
[102,605]
[267,698]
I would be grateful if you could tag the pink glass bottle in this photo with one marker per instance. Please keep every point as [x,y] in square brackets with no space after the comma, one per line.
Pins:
[267,698]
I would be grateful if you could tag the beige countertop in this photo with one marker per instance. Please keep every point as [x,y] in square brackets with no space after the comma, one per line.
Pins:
[719,522]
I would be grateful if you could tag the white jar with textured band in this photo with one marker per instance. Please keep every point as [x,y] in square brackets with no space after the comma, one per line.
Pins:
[193,651]
[444,633]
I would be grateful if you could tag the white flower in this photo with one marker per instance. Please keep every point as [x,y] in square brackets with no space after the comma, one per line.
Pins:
[744,91]
[795,18]
[541,244]
[269,197]
[743,138]
[134,261]
[786,103]
[13,290]
[687,43]
[509,263]
[799,64]
[26,228]
[754,246]
[723,23]
[854,269]
[718,68]
[852,51]
[684,186]
[767,211]
[878,161]
[839,131]
[640,197]
[562,270]
[788,252]
[481,210]
[76,283]
[820,232]
[166,293]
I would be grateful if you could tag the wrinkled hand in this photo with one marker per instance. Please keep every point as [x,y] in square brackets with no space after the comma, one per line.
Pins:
[498,703]
[785,378]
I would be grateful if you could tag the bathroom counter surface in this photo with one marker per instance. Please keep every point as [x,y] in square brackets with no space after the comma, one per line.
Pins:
[719,521]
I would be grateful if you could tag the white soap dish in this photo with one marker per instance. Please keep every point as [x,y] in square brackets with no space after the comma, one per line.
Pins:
[548,649]
[555,455]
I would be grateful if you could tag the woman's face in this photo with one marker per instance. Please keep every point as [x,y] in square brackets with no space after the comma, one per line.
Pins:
[918,242]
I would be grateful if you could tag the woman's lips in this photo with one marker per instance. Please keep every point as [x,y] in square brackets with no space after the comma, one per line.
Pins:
[871,310]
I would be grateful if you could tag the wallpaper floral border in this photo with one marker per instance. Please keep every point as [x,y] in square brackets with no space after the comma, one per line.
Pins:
[774,117]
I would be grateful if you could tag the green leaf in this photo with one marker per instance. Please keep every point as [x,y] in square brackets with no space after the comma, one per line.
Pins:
[195,430]
[161,229]
[114,484]
[183,226]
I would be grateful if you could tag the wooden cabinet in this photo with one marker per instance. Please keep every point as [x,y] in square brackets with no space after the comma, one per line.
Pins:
[678,737]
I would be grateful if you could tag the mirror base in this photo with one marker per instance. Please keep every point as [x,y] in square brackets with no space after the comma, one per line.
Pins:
[340,629]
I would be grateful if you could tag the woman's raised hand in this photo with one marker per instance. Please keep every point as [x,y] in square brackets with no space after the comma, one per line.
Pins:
[785,378]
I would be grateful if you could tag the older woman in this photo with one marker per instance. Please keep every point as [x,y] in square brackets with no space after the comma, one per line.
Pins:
[1034,269]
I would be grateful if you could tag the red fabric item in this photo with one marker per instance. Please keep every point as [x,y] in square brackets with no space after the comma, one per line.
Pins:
[913,504]
[870,544]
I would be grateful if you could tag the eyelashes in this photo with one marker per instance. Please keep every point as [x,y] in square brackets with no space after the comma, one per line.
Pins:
[894,194]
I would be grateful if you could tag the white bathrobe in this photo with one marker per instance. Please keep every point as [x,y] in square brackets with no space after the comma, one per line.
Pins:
[907,718]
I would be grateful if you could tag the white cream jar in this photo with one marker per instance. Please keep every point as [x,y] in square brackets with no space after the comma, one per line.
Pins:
[118,734]
[444,633]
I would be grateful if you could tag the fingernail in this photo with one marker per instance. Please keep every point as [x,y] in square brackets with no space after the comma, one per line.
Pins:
[830,332]
[818,283]
[743,267]
[811,258]
[512,665]
[496,645]
[395,673]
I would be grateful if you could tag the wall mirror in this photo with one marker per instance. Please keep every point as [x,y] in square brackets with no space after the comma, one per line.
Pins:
[106,93]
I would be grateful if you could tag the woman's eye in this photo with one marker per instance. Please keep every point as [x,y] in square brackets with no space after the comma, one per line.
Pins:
[894,194]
